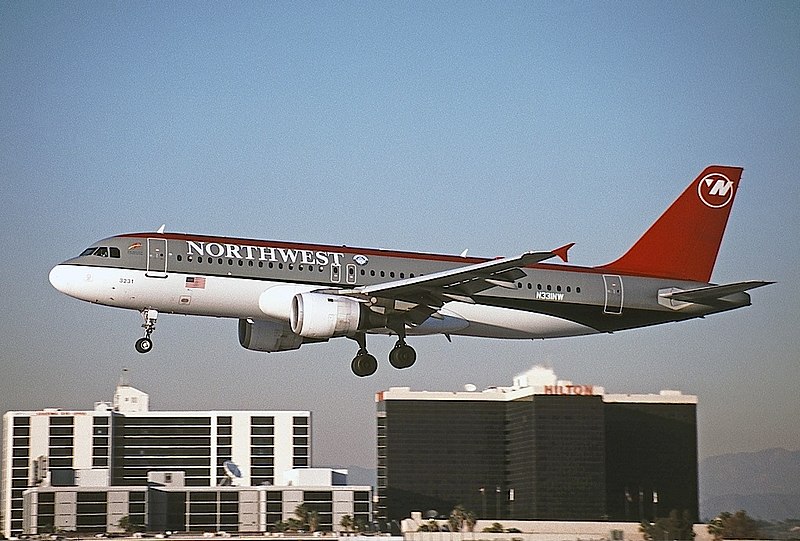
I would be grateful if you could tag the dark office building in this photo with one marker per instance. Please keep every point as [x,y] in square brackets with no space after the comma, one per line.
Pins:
[541,449]
[451,453]
[651,456]
[555,449]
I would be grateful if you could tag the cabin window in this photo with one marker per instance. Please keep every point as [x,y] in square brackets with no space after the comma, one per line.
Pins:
[530,285]
[180,258]
[569,289]
[577,290]
[402,275]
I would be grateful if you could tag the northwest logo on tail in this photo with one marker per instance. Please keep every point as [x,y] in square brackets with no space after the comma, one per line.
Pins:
[715,190]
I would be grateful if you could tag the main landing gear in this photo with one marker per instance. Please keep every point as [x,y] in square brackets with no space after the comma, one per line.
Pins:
[364,364]
[143,345]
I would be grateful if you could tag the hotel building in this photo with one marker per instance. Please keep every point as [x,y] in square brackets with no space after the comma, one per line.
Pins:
[541,449]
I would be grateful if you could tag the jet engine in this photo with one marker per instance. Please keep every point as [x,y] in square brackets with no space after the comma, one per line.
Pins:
[317,315]
[276,302]
[271,336]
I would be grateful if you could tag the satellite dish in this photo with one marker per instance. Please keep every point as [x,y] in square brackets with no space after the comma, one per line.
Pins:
[469,387]
[232,472]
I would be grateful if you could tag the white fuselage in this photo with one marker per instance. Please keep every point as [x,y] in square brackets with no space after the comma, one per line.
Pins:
[232,297]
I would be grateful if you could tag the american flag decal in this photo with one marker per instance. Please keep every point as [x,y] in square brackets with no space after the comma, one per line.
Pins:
[196,282]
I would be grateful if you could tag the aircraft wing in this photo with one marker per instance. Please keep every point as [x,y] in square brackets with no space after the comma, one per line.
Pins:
[421,296]
[714,294]
[461,281]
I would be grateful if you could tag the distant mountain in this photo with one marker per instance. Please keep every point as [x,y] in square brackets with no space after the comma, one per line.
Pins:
[765,483]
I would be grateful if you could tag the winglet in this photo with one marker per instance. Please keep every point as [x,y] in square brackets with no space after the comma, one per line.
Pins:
[562,251]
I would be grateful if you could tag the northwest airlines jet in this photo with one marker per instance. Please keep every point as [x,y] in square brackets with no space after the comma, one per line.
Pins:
[287,294]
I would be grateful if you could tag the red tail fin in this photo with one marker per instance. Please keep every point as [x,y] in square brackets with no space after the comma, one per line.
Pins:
[685,240]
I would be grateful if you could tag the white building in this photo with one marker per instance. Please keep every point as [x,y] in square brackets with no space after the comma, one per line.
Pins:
[119,444]
[166,504]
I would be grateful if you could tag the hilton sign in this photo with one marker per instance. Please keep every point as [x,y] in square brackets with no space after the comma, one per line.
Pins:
[582,390]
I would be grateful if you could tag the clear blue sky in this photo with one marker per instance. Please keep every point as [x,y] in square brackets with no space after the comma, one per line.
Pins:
[436,126]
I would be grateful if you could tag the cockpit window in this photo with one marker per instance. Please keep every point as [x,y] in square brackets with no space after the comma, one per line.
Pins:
[101,251]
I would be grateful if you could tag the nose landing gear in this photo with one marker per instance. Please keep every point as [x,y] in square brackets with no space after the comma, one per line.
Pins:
[143,345]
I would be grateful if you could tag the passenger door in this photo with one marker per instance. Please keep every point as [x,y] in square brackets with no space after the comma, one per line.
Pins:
[156,258]
[614,294]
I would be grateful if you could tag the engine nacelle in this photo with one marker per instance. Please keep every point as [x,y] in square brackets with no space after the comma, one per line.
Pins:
[276,302]
[271,336]
[317,315]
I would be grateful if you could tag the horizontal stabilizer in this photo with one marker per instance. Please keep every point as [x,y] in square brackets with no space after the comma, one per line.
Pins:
[713,294]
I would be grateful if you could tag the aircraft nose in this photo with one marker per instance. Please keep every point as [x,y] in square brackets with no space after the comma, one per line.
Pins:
[63,278]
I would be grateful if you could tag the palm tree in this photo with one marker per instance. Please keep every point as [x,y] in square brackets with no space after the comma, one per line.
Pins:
[470,521]
[347,523]
[313,521]
[456,520]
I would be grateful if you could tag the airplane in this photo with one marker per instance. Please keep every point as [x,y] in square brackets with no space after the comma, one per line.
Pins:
[287,294]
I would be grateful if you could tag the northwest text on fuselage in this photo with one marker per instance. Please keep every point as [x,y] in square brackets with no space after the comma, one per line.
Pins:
[263,253]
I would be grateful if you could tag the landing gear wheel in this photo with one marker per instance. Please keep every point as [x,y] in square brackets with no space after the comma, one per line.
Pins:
[364,364]
[402,356]
[143,345]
